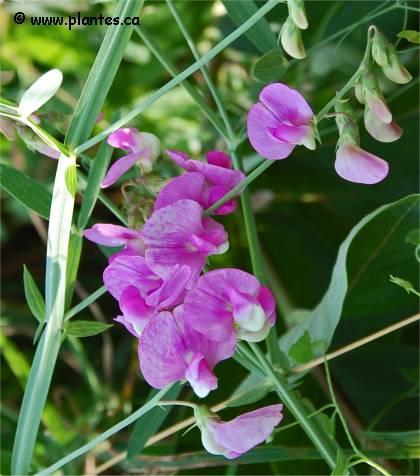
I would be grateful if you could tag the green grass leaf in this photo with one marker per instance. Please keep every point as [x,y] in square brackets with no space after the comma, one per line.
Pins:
[33,296]
[86,328]
[26,190]
[260,34]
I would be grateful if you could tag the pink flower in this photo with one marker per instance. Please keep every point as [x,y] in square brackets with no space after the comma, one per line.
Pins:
[144,148]
[135,312]
[356,165]
[230,301]
[133,271]
[170,350]
[115,235]
[178,234]
[234,438]
[205,183]
[280,121]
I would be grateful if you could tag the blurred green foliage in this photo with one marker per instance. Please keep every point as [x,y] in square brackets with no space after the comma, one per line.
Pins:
[304,212]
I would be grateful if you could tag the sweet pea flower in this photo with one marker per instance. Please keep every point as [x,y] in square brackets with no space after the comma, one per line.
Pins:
[179,234]
[205,182]
[133,271]
[280,121]
[234,438]
[135,312]
[171,350]
[144,149]
[115,235]
[230,301]
[379,130]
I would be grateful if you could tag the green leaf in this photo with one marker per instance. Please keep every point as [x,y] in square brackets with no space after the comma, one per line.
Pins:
[150,423]
[270,66]
[413,237]
[376,239]
[33,296]
[405,439]
[26,190]
[70,178]
[407,285]
[410,35]
[86,328]
[41,91]
[260,34]
[301,351]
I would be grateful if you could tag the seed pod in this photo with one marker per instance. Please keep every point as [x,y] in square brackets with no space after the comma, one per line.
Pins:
[298,13]
[291,39]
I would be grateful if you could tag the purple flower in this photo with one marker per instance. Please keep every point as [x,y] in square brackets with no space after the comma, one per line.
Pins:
[171,350]
[135,312]
[205,182]
[280,121]
[234,438]
[115,235]
[178,234]
[228,302]
[356,165]
[144,149]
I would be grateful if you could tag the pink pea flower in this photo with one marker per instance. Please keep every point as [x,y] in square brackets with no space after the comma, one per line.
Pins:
[280,121]
[379,130]
[126,271]
[230,301]
[217,179]
[179,234]
[234,438]
[115,235]
[144,149]
[135,312]
[357,165]
[171,350]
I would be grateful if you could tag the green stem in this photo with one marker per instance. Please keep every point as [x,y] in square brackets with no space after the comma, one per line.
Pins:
[325,445]
[107,434]
[85,303]
[192,91]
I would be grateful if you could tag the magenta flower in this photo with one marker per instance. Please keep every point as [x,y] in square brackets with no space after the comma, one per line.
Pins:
[170,350]
[234,438]
[144,149]
[228,302]
[133,271]
[280,121]
[211,181]
[115,235]
[179,234]
[356,165]
[135,312]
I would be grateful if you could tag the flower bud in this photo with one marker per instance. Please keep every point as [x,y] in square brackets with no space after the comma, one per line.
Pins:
[358,92]
[374,98]
[395,71]
[380,48]
[291,39]
[380,131]
[298,13]
[346,122]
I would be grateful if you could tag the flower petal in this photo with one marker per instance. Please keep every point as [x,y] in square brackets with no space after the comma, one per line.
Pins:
[187,186]
[200,376]
[219,158]
[126,138]
[357,165]
[120,167]
[136,313]
[380,131]
[110,235]
[260,121]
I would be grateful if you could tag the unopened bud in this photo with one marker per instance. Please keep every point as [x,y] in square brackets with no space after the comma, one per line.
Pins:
[358,92]
[291,39]
[298,13]
[380,47]
[346,123]
[395,71]
[380,131]
[374,98]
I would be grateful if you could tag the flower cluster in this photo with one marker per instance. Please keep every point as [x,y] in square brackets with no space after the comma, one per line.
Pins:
[186,321]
